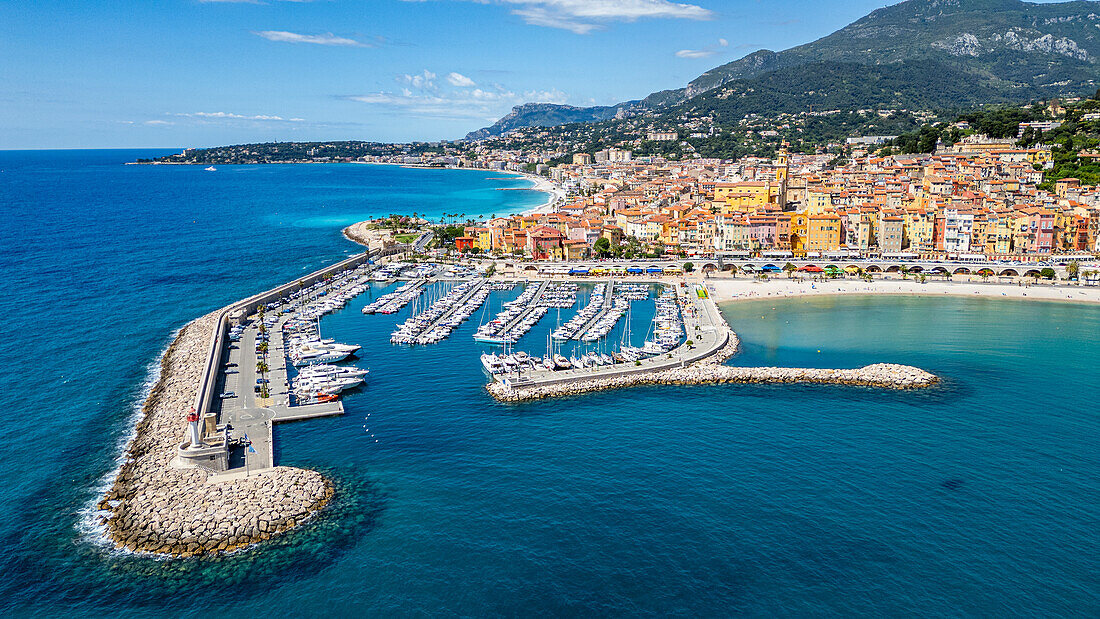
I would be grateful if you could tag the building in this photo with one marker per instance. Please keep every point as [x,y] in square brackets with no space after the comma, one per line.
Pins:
[662,136]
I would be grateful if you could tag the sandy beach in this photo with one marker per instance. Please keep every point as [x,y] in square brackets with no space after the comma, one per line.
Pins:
[546,185]
[744,289]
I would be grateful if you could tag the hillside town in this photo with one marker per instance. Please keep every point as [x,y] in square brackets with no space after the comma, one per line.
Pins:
[977,199]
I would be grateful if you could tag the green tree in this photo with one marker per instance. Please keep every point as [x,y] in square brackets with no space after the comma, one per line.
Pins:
[789,268]
[1073,269]
[1047,273]
[602,247]
[689,267]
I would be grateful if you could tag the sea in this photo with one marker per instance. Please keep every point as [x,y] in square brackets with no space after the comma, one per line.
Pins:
[976,497]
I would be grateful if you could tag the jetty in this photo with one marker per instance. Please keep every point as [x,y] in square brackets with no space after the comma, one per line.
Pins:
[697,361]
[527,311]
[211,491]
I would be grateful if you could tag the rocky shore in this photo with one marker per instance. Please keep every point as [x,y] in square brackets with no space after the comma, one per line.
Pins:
[361,233]
[711,371]
[155,508]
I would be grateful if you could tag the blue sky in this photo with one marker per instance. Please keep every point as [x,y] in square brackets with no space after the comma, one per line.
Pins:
[112,73]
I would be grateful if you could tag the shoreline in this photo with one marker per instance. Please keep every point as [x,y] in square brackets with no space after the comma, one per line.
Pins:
[729,290]
[545,185]
[155,508]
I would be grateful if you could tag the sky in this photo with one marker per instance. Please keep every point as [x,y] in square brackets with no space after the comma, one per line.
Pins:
[195,73]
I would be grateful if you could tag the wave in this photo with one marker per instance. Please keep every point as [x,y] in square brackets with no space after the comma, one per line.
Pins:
[87,523]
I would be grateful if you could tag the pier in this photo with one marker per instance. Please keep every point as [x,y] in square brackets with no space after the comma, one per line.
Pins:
[608,303]
[471,293]
[527,311]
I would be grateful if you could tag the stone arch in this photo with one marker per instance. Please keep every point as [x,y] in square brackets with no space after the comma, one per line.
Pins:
[873,268]
[939,271]
[961,271]
[771,266]
[530,267]
[893,268]
[916,269]
[1033,273]
[985,271]
[710,266]
[1009,273]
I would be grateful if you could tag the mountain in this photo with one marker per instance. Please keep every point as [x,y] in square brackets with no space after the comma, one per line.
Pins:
[548,115]
[1013,41]
[990,51]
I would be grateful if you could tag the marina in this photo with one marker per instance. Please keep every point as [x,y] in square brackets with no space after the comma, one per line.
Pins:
[270,363]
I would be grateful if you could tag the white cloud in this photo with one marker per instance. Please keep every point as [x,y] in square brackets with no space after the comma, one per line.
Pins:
[424,80]
[158,123]
[709,50]
[460,103]
[457,79]
[317,39]
[695,53]
[231,116]
[584,16]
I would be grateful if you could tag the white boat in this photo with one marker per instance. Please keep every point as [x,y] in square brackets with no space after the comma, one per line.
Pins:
[211,169]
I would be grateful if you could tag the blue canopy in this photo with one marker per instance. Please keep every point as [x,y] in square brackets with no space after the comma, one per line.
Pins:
[635,270]
[654,270]
[771,268]
[579,271]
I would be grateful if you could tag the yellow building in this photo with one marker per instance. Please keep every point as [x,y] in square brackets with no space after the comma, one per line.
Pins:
[818,201]
[823,232]
[920,228]
[799,229]
[743,197]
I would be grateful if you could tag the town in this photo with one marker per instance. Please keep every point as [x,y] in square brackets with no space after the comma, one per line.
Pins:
[977,201]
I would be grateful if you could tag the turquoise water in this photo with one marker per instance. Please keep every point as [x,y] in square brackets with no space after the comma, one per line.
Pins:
[975,497]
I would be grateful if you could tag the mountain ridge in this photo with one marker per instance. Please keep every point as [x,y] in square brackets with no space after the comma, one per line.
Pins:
[1016,50]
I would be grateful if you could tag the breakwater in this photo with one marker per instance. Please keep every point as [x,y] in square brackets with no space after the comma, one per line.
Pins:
[710,371]
[155,508]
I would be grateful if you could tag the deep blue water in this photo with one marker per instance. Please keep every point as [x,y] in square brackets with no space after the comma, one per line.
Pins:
[976,497]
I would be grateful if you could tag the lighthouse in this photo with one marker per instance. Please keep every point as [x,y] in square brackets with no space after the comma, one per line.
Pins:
[196,438]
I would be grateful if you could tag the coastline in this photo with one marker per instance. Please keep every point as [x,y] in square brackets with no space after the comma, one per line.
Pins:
[726,290]
[154,508]
[545,185]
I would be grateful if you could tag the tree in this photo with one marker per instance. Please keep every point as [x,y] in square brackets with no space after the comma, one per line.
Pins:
[1047,273]
[689,267]
[1073,269]
[602,247]
[789,268]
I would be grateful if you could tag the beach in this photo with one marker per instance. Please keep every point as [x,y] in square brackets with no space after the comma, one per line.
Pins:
[740,289]
[546,185]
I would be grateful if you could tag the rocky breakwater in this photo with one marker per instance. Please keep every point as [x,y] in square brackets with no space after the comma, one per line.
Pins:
[155,508]
[711,371]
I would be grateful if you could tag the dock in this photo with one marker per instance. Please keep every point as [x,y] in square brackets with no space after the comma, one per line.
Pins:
[608,303]
[706,332]
[462,301]
[248,414]
[532,306]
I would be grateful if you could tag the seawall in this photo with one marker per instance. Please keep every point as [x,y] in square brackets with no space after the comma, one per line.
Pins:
[711,371]
[155,507]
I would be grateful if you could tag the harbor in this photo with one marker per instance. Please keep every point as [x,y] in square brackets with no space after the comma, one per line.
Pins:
[266,361]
